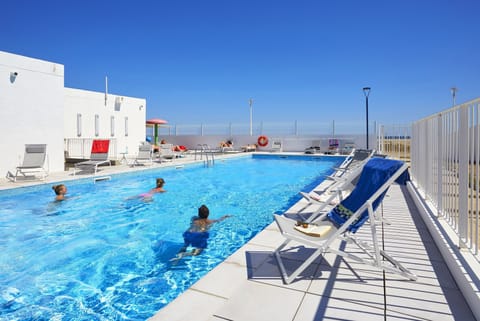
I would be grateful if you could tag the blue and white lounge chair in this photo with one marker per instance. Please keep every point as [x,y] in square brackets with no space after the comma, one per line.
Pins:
[343,221]
[33,162]
[333,194]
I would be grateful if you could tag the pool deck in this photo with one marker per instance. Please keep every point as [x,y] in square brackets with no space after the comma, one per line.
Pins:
[248,285]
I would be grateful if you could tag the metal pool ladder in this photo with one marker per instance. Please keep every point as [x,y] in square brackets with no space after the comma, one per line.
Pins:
[205,150]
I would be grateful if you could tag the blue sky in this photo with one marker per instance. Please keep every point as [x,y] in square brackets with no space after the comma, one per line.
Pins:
[200,61]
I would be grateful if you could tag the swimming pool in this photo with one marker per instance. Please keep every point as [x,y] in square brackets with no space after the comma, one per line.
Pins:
[102,256]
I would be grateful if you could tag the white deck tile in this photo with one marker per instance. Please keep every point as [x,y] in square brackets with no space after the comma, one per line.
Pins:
[243,258]
[223,281]
[269,273]
[428,304]
[319,308]
[191,305]
[259,302]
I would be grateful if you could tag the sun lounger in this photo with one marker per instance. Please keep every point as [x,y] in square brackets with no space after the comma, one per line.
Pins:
[314,149]
[33,162]
[344,220]
[98,156]
[166,152]
[276,145]
[144,155]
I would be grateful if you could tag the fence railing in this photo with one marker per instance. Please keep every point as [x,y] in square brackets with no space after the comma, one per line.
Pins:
[81,147]
[446,168]
[394,141]
[292,128]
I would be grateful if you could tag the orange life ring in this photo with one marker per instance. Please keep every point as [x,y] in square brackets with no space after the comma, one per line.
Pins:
[262,141]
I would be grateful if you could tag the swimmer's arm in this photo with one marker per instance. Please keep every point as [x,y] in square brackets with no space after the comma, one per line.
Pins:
[220,219]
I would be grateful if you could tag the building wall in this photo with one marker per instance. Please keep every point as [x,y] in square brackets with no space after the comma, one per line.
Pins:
[31,109]
[91,105]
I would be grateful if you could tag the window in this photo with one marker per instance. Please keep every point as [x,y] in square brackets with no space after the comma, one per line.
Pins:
[126,126]
[112,126]
[79,125]
[97,125]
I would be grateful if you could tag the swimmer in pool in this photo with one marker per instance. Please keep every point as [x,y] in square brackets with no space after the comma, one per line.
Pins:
[197,235]
[60,191]
[158,189]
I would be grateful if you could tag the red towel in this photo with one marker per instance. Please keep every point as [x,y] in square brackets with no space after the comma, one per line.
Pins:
[100,146]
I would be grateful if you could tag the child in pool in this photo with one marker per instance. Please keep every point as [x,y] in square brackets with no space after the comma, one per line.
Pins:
[60,191]
[197,235]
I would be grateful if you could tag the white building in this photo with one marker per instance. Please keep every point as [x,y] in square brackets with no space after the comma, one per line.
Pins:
[36,108]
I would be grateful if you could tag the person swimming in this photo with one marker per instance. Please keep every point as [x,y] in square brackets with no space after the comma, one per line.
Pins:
[197,235]
[60,191]
[160,182]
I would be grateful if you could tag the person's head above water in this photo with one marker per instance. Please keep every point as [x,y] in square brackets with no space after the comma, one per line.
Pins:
[59,189]
[203,211]
[160,182]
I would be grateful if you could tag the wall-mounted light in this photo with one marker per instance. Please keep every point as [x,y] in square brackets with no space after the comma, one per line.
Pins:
[140,107]
[118,103]
[13,76]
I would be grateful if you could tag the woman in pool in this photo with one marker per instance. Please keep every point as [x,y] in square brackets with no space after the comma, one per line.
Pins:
[197,235]
[60,191]
[158,189]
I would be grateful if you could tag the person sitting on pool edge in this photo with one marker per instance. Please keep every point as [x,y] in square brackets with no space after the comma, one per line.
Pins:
[197,235]
[60,191]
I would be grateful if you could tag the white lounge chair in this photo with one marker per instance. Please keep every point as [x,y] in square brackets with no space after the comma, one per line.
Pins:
[343,221]
[276,145]
[333,194]
[98,156]
[33,162]
[166,152]
[144,155]
[358,157]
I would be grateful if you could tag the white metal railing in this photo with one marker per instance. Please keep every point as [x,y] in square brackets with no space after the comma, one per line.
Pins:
[292,128]
[81,147]
[445,165]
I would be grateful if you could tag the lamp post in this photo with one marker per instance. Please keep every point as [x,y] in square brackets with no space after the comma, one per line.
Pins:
[366,92]
[250,102]
[454,92]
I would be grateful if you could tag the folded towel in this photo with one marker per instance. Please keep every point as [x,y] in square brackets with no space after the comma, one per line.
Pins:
[314,230]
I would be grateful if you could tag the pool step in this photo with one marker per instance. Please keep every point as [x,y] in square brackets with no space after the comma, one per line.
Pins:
[101,178]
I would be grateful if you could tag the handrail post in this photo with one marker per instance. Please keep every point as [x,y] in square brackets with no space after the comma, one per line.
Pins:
[463,144]
[439,165]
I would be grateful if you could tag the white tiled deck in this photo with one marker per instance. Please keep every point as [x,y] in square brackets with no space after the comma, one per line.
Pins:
[248,286]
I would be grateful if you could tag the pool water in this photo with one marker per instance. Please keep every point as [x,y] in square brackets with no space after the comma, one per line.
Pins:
[104,254]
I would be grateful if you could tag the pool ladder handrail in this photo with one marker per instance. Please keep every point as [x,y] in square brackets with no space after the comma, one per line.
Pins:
[204,149]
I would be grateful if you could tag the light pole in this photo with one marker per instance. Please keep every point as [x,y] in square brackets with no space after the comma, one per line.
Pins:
[454,92]
[366,92]
[250,102]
